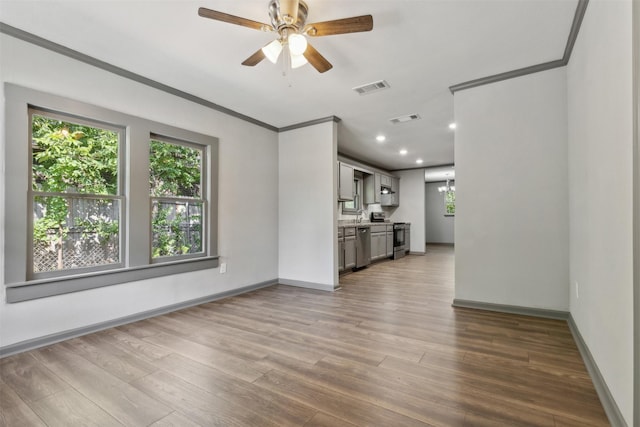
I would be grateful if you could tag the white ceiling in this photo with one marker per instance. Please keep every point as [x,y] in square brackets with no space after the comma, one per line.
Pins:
[420,47]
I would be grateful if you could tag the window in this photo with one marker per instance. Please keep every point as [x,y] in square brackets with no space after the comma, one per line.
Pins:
[450,202]
[110,198]
[175,182]
[75,197]
[353,206]
[449,191]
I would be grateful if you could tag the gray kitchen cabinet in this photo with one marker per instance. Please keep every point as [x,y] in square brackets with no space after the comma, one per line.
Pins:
[395,184]
[349,248]
[395,191]
[372,189]
[389,235]
[375,246]
[378,242]
[393,198]
[340,249]
[345,182]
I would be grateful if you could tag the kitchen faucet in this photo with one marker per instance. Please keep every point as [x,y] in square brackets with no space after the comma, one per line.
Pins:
[358,215]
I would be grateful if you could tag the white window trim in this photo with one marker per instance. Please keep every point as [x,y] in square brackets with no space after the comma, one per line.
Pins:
[137,241]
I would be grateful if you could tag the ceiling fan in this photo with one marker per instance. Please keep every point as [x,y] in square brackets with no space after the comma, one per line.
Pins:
[288,20]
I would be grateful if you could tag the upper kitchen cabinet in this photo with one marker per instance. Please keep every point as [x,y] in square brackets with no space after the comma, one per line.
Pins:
[383,189]
[392,197]
[372,188]
[345,182]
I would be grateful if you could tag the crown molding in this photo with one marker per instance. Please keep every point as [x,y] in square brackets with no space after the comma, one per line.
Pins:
[571,40]
[79,56]
[334,119]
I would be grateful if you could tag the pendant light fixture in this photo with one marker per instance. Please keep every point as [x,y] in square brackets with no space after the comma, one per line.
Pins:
[447,188]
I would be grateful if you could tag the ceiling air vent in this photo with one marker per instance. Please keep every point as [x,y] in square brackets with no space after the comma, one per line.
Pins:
[372,87]
[404,119]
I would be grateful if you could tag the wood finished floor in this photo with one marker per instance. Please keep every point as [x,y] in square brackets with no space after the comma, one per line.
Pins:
[385,350]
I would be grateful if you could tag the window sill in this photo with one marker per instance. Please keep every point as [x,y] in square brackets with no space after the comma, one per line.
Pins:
[449,214]
[34,289]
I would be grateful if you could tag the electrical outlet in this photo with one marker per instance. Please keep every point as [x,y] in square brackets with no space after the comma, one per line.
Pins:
[223,268]
[577,290]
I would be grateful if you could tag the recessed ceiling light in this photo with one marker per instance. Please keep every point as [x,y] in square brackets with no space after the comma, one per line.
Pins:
[452,125]
[419,161]
[380,138]
[403,152]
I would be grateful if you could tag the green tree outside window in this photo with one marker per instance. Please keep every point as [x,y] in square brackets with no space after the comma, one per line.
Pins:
[74,178]
[450,202]
[175,182]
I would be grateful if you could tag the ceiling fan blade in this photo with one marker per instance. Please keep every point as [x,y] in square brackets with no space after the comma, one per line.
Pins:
[231,19]
[318,61]
[254,59]
[355,24]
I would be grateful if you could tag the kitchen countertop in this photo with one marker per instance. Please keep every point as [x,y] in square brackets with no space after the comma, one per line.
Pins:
[362,224]
[351,223]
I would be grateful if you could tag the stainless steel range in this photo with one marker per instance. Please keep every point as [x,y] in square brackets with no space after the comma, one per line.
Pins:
[398,239]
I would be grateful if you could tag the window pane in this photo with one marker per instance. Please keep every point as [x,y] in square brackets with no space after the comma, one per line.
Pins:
[73,233]
[68,157]
[174,170]
[450,202]
[177,228]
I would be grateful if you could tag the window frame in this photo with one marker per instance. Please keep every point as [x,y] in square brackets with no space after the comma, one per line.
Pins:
[119,196]
[203,200]
[136,222]
[446,204]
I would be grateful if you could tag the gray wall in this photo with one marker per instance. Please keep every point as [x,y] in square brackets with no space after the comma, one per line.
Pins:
[544,212]
[511,230]
[599,87]
[438,228]
[307,200]
[248,182]
[411,207]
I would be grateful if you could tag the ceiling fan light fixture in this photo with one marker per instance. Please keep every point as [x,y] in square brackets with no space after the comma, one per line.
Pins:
[298,61]
[272,51]
[289,17]
[297,44]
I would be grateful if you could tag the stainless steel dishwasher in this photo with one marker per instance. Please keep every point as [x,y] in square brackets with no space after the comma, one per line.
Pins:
[363,247]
